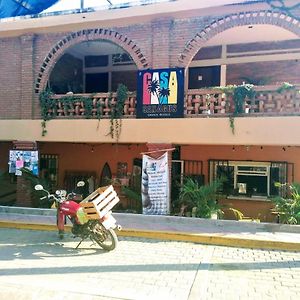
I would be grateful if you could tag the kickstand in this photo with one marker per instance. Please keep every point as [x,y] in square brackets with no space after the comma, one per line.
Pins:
[79,244]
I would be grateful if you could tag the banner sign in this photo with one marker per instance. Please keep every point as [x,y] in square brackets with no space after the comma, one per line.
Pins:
[160,93]
[155,185]
[23,159]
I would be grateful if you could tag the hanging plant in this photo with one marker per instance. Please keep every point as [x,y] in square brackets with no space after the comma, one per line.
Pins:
[239,94]
[117,112]
[88,107]
[48,106]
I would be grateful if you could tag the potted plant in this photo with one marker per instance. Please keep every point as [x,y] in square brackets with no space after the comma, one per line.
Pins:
[200,200]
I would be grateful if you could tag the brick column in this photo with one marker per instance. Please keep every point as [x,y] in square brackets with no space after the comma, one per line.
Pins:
[161,30]
[23,196]
[23,192]
[27,76]
[157,147]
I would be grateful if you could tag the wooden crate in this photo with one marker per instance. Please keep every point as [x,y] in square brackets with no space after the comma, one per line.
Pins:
[100,202]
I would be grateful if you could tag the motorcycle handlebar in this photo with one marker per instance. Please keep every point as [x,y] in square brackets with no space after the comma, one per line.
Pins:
[58,197]
[71,194]
[51,196]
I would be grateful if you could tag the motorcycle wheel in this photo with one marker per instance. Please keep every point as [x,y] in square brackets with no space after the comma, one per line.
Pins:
[105,238]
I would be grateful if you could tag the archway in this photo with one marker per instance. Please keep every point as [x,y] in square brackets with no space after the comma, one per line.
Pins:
[245,46]
[234,20]
[85,36]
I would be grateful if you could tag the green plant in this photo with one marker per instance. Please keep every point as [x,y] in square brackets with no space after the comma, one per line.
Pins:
[44,125]
[49,106]
[36,195]
[286,86]
[239,94]
[203,198]
[88,107]
[117,112]
[134,195]
[288,207]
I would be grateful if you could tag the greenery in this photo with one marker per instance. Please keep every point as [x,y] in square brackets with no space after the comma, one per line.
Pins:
[201,200]
[288,207]
[286,86]
[36,195]
[47,104]
[117,112]
[135,195]
[49,108]
[239,94]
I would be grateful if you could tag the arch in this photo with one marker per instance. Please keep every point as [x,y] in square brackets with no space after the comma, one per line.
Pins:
[234,20]
[82,36]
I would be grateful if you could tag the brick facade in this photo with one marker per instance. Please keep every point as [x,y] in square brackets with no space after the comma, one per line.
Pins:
[27,61]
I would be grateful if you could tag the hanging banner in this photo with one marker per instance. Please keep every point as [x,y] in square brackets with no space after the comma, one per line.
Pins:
[19,159]
[155,185]
[160,93]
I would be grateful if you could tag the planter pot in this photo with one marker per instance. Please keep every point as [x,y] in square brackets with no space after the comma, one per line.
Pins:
[214,216]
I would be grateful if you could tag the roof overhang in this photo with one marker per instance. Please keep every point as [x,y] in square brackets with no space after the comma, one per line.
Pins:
[123,17]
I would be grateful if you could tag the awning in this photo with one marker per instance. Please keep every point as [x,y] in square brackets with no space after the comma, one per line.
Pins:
[13,8]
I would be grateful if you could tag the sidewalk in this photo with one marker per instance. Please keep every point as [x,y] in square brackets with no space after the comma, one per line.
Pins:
[205,231]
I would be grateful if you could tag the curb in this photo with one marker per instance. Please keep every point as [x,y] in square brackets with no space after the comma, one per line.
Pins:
[212,240]
[175,236]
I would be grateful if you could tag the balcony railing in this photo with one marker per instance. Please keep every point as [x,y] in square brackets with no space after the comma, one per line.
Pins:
[268,101]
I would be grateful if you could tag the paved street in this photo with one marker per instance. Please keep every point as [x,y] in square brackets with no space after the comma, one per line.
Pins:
[36,265]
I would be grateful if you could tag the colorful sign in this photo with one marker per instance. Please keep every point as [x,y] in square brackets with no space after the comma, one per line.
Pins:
[155,185]
[160,93]
[19,159]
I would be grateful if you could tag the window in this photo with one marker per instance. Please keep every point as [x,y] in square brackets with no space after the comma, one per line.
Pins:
[249,178]
[91,61]
[200,77]
[122,59]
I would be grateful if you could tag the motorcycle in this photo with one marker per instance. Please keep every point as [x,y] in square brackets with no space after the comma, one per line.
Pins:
[98,229]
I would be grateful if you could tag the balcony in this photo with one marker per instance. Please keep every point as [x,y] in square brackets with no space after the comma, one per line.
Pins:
[211,102]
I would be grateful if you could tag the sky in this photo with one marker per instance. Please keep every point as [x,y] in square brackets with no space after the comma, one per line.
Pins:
[75,4]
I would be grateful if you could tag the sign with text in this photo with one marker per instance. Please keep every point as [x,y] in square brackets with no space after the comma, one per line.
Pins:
[160,93]
[155,185]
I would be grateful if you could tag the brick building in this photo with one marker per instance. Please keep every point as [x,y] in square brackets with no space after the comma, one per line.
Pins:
[87,54]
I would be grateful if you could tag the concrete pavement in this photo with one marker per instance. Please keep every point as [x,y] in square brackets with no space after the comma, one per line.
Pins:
[214,232]
[34,265]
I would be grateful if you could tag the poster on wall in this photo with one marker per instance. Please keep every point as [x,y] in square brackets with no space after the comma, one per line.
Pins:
[160,93]
[19,159]
[155,185]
